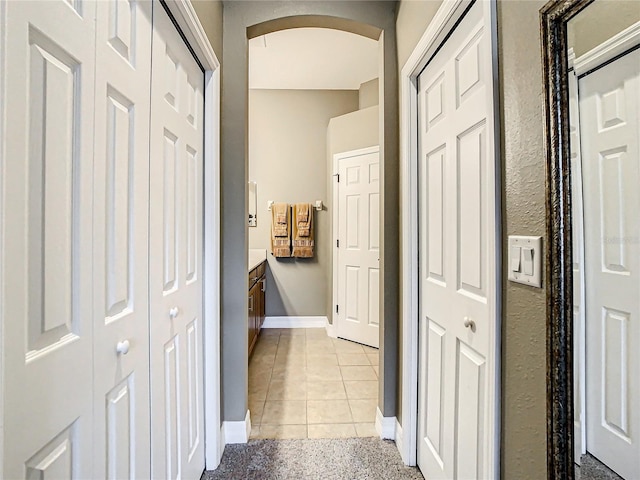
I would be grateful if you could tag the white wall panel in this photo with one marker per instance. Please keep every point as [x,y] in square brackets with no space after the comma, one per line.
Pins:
[172,408]
[614,378]
[55,460]
[434,384]
[612,210]
[470,402]
[120,430]
[170,192]
[469,74]
[192,199]
[120,146]
[53,127]
[122,24]
[435,171]
[471,163]
[194,384]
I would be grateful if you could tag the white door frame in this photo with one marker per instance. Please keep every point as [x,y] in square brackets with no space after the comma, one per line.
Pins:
[334,189]
[187,20]
[3,42]
[445,20]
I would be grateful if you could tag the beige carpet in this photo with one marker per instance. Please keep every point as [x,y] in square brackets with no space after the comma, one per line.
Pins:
[349,458]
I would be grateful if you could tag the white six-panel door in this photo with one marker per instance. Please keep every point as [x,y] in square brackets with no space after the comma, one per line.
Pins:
[120,240]
[358,234]
[75,265]
[457,382]
[47,249]
[175,288]
[610,132]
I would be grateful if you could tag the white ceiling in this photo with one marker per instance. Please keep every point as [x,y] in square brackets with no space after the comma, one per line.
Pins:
[312,59]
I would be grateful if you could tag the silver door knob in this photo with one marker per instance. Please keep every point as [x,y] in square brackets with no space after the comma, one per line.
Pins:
[173,313]
[122,348]
[470,324]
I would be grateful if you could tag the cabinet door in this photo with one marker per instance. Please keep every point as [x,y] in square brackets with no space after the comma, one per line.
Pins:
[262,303]
[252,317]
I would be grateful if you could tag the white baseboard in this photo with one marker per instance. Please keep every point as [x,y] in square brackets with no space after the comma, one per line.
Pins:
[294,322]
[332,329]
[385,426]
[399,441]
[236,432]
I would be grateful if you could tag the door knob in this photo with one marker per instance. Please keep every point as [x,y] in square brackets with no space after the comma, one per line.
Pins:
[122,348]
[470,324]
[173,312]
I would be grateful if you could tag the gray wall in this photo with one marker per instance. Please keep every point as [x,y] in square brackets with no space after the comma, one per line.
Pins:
[365,17]
[369,94]
[524,309]
[346,133]
[601,21]
[210,15]
[523,169]
[287,159]
[413,17]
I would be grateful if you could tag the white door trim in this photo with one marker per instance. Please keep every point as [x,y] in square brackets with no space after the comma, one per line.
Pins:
[3,42]
[334,192]
[616,45]
[579,417]
[445,20]
[187,19]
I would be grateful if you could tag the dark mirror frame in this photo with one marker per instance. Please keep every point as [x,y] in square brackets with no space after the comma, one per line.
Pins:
[559,277]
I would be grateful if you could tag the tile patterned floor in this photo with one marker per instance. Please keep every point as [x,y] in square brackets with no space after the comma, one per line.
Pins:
[304,384]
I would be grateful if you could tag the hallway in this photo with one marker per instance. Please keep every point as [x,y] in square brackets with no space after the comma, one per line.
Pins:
[304,384]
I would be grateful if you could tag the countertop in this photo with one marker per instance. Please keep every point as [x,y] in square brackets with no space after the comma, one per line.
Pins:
[256,257]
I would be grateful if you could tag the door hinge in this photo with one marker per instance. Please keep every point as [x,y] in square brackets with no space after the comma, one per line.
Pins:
[337,243]
[337,175]
[337,308]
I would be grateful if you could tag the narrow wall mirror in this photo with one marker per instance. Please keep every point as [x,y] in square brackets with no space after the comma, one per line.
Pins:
[591,62]
[253,204]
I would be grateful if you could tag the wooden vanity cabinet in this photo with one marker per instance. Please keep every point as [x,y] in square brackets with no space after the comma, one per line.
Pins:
[257,291]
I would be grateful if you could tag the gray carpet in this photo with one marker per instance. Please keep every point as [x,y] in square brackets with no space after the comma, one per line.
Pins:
[592,469]
[348,458]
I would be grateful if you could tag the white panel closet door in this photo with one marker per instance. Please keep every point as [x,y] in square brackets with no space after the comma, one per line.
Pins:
[46,264]
[121,221]
[610,132]
[457,257]
[175,291]
[359,252]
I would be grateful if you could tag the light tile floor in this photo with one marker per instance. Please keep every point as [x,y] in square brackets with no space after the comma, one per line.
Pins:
[304,384]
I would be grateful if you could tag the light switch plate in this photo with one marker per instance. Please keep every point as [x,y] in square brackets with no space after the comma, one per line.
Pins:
[522,245]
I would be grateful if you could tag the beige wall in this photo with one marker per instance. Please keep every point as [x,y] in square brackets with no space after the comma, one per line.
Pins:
[524,314]
[369,94]
[412,19]
[599,22]
[287,159]
[523,169]
[352,131]
[210,14]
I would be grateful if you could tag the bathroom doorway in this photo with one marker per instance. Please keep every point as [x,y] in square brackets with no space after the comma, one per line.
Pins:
[313,94]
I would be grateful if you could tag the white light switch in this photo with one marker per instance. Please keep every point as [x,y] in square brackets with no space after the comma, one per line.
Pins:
[525,260]
[515,259]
